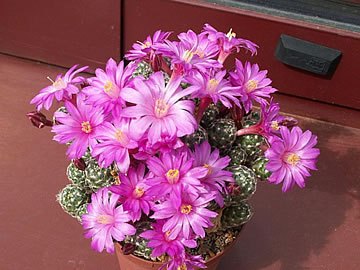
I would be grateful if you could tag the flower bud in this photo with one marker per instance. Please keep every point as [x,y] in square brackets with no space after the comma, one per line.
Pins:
[288,122]
[38,119]
[80,164]
[128,248]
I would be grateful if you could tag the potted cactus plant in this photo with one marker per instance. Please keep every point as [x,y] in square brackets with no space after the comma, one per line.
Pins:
[167,148]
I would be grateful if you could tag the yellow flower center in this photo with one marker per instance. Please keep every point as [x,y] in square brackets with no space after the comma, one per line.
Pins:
[139,191]
[251,85]
[208,167]
[275,125]
[58,84]
[188,55]
[172,176]
[108,86]
[85,126]
[231,34]
[182,267]
[104,219]
[161,108]
[293,159]
[121,137]
[185,209]
[145,45]
[200,53]
[212,85]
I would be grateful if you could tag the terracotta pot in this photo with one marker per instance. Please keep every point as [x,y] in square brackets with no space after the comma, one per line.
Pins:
[131,262]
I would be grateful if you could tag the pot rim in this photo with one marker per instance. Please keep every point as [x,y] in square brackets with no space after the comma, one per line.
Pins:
[161,263]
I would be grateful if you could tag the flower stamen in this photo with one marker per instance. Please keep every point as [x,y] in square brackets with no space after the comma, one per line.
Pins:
[172,176]
[293,159]
[275,125]
[85,126]
[185,209]
[108,86]
[104,219]
[212,85]
[209,169]
[230,34]
[251,85]
[121,137]
[188,55]
[161,108]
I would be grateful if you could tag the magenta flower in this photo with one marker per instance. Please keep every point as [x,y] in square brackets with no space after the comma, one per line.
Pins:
[291,157]
[158,108]
[193,52]
[164,145]
[61,89]
[269,124]
[105,89]
[188,262]
[79,127]
[133,192]
[115,142]
[161,243]
[214,87]
[254,84]
[174,171]
[228,42]
[105,221]
[190,216]
[142,50]
[214,181]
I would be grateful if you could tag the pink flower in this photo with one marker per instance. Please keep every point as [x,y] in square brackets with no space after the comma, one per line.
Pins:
[105,89]
[161,242]
[214,86]
[115,142]
[105,221]
[79,127]
[144,50]
[228,42]
[254,84]
[190,216]
[61,89]
[193,52]
[133,192]
[214,181]
[291,157]
[158,109]
[188,262]
[174,171]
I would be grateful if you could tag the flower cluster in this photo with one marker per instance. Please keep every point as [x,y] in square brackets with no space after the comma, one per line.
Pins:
[171,142]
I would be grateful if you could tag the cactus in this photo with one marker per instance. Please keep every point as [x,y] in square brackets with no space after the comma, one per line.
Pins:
[236,215]
[209,115]
[245,179]
[97,177]
[71,198]
[259,168]
[143,69]
[76,176]
[222,133]
[238,156]
[197,137]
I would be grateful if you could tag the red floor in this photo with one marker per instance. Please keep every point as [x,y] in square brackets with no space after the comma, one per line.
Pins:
[313,228]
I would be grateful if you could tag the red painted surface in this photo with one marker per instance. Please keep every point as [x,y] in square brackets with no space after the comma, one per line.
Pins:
[265,30]
[61,32]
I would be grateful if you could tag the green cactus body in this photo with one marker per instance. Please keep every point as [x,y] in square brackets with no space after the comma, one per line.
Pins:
[97,177]
[246,179]
[209,115]
[222,133]
[259,168]
[143,69]
[238,155]
[197,137]
[75,175]
[82,210]
[71,198]
[236,215]
[140,243]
